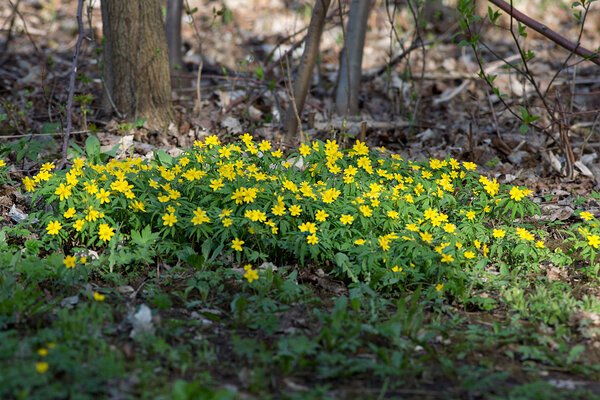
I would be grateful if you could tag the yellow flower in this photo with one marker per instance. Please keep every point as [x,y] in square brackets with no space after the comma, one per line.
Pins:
[586,215]
[53,227]
[41,367]
[29,184]
[430,213]
[227,222]
[169,219]
[105,232]
[184,161]
[278,153]
[43,352]
[308,227]
[251,275]
[321,216]
[330,195]
[593,240]
[359,242]
[78,225]
[120,186]
[384,243]
[539,244]
[426,237]
[516,194]
[419,189]
[469,166]
[412,227]
[63,191]
[102,195]
[236,244]
[393,214]
[366,210]
[278,209]
[69,261]
[469,254]
[295,210]
[470,215]
[491,187]
[524,234]
[49,166]
[346,219]
[216,184]
[304,149]
[446,258]
[396,268]
[450,228]
[499,233]
[138,206]
[69,213]
[92,214]
[439,287]
[98,296]
[91,188]
[200,217]
[312,239]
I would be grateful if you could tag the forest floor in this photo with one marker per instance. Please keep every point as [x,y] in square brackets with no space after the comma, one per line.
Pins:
[177,332]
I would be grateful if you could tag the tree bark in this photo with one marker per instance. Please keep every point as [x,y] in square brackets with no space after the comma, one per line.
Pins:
[136,65]
[307,64]
[349,74]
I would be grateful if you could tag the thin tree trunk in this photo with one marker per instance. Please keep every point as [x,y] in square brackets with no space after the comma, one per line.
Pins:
[173,32]
[307,64]
[349,74]
[136,65]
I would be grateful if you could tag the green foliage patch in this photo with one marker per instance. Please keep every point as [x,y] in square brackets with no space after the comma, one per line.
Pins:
[374,217]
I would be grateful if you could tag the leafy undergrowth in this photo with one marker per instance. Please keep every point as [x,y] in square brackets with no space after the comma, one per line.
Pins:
[233,271]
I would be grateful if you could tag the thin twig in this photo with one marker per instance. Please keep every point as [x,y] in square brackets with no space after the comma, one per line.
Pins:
[13,17]
[65,146]
[547,32]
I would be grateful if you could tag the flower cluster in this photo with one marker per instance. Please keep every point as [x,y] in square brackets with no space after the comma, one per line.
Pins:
[368,210]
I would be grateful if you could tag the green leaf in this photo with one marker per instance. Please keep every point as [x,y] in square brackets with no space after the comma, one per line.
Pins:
[92,148]
[574,354]
[163,158]
[51,127]
[523,128]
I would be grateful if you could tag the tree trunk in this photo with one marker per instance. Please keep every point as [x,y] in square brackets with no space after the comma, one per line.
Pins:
[173,31]
[136,64]
[307,64]
[349,74]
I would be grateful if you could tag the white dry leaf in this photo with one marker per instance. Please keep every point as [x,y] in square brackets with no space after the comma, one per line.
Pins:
[17,215]
[232,125]
[142,321]
[91,254]
[553,161]
[516,157]
[126,290]
[268,264]
[584,170]
[426,135]
[69,302]
[125,146]
[255,113]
